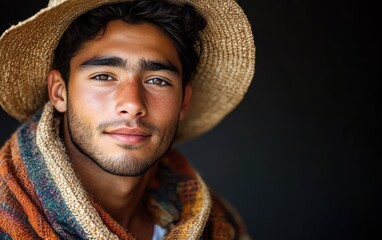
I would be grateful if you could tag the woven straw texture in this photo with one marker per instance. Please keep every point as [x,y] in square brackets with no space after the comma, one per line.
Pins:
[223,75]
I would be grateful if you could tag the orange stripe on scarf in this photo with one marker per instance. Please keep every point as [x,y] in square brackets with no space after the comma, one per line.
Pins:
[25,201]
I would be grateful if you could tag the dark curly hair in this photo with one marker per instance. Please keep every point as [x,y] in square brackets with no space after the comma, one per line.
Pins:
[182,23]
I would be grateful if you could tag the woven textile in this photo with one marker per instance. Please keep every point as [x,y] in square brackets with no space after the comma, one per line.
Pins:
[41,197]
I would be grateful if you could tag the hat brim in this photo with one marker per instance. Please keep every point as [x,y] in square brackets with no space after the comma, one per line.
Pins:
[222,78]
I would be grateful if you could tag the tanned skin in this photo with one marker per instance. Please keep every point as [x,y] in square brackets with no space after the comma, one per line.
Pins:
[121,109]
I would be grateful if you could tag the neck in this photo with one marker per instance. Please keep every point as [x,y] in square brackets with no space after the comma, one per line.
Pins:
[120,196]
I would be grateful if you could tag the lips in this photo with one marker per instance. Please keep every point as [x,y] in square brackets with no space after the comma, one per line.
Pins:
[129,136]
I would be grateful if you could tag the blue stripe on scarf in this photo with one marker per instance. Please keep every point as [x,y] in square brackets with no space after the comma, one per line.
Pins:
[4,236]
[55,208]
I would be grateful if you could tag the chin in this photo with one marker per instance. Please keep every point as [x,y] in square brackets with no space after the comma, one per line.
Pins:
[125,164]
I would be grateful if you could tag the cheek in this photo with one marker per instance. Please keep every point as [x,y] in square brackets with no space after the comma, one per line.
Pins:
[165,108]
[86,104]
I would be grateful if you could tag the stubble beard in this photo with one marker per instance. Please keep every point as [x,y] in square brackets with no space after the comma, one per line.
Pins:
[82,137]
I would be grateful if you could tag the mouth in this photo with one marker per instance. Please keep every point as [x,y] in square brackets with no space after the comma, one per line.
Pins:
[129,136]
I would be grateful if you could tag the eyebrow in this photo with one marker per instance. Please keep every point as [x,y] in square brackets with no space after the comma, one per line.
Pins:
[104,61]
[144,64]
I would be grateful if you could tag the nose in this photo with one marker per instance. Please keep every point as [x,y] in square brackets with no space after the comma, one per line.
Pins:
[130,100]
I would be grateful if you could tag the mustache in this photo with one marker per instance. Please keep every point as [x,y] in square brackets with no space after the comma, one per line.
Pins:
[128,123]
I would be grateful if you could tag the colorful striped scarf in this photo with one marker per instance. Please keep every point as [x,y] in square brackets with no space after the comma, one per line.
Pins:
[42,198]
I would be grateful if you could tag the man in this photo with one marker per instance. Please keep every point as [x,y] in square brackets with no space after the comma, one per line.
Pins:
[104,88]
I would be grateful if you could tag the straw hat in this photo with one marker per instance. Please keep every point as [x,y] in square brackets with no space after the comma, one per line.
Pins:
[223,76]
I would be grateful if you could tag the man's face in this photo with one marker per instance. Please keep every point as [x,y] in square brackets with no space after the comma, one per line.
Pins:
[125,97]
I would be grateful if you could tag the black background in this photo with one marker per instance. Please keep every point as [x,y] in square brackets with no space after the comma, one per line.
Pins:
[300,156]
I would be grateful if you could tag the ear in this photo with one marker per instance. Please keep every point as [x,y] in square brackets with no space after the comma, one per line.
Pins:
[186,100]
[57,90]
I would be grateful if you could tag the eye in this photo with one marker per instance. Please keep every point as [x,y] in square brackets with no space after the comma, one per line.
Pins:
[103,77]
[158,81]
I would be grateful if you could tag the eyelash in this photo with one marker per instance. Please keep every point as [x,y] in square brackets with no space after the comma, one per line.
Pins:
[162,84]
[97,77]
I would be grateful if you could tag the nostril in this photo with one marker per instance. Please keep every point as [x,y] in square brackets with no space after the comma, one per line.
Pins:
[126,112]
[131,109]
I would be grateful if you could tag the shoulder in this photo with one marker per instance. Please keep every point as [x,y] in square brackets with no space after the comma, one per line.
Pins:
[224,221]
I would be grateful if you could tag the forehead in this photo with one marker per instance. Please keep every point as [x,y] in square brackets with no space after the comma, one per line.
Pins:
[130,41]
